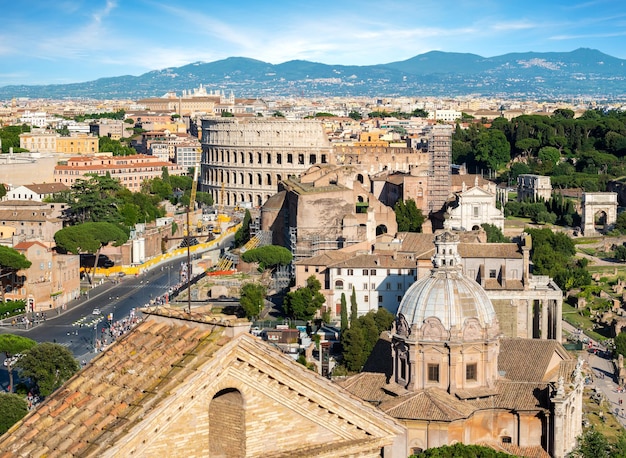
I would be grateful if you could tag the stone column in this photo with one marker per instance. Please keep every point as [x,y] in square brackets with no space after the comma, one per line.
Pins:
[544,319]
[559,320]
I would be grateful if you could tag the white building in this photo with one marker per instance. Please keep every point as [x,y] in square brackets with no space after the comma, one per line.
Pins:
[36,192]
[472,208]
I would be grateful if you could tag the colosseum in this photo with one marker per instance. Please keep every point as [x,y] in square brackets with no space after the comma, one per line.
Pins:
[246,158]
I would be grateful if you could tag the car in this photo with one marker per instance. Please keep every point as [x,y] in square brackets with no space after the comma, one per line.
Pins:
[121,274]
[12,359]
[96,312]
[88,260]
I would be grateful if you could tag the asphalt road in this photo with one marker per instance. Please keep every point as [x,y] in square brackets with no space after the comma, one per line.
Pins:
[78,327]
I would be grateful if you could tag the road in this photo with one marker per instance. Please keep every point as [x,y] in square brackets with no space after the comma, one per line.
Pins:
[78,328]
[603,377]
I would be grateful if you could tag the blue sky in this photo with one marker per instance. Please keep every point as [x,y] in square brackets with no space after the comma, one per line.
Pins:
[65,41]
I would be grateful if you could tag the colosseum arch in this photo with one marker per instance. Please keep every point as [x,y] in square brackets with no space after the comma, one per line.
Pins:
[599,211]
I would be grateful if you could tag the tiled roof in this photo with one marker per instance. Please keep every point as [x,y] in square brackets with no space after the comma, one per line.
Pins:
[430,404]
[367,386]
[113,391]
[46,188]
[495,250]
[529,360]
[27,215]
[326,258]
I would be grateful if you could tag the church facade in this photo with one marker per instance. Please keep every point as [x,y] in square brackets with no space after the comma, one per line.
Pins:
[447,374]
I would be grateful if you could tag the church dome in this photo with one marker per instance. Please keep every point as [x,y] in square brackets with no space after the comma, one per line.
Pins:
[447,294]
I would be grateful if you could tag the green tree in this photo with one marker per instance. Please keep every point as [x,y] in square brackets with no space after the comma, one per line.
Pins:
[355,115]
[359,340]
[242,236]
[460,450]
[354,309]
[268,256]
[620,343]
[13,408]
[94,199]
[620,223]
[11,261]
[48,365]
[344,313]
[89,237]
[492,150]
[592,444]
[252,299]
[12,345]
[408,216]
[549,154]
[494,234]
[303,303]
[353,344]
[3,191]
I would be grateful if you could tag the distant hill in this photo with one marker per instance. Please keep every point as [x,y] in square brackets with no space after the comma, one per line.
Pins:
[553,75]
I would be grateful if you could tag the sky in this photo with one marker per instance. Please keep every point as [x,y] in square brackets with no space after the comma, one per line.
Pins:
[68,41]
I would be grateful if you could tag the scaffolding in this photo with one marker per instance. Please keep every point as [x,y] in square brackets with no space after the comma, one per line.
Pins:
[440,152]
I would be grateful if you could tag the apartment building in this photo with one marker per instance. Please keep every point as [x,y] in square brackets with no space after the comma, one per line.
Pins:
[51,281]
[130,171]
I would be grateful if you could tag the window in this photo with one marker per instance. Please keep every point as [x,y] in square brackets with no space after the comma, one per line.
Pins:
[366,298]
[506,439]
[306,268]
[492,273]
[365,286]
[350,272]
[339,284]
[433,372]
[373,286]
[373,272]
[475,211]
[339,271]
[364,271]
[471,373]
[380,299]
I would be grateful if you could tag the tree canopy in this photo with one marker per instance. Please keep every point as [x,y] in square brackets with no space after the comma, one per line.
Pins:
[268,256]
[408,216]
[12,345]
[303,303]
[13,408]
[359,340]
[252,299]
[11,261]
[460,450]
[48,365]
[89,237]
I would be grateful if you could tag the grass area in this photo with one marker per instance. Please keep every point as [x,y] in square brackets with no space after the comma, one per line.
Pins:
[573,317]
[604,422]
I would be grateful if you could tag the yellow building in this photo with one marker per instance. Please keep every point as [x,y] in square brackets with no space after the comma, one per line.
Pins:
[78,144]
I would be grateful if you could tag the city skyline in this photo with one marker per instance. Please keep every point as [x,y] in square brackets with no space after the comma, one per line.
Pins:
[77,41]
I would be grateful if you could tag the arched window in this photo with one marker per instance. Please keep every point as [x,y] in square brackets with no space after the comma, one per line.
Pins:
[339,284]
[227,424]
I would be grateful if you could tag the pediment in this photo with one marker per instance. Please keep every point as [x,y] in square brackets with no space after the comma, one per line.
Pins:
[191,381]
[288,409]
[476,191]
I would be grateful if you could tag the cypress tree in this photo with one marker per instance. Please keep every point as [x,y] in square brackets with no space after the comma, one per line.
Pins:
[344,313]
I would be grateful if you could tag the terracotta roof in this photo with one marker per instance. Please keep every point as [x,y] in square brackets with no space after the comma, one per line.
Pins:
[27,215]
[115,389]
[430,404]
[46,188]
[327,258]
[529,360]
[27,245]
[142,378]
[469,180]
[491,250]
[535,451]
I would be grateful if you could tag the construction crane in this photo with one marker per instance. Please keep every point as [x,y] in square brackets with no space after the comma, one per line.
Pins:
[221,217]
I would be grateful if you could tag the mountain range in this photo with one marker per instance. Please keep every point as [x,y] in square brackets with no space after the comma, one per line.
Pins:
[582,73]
